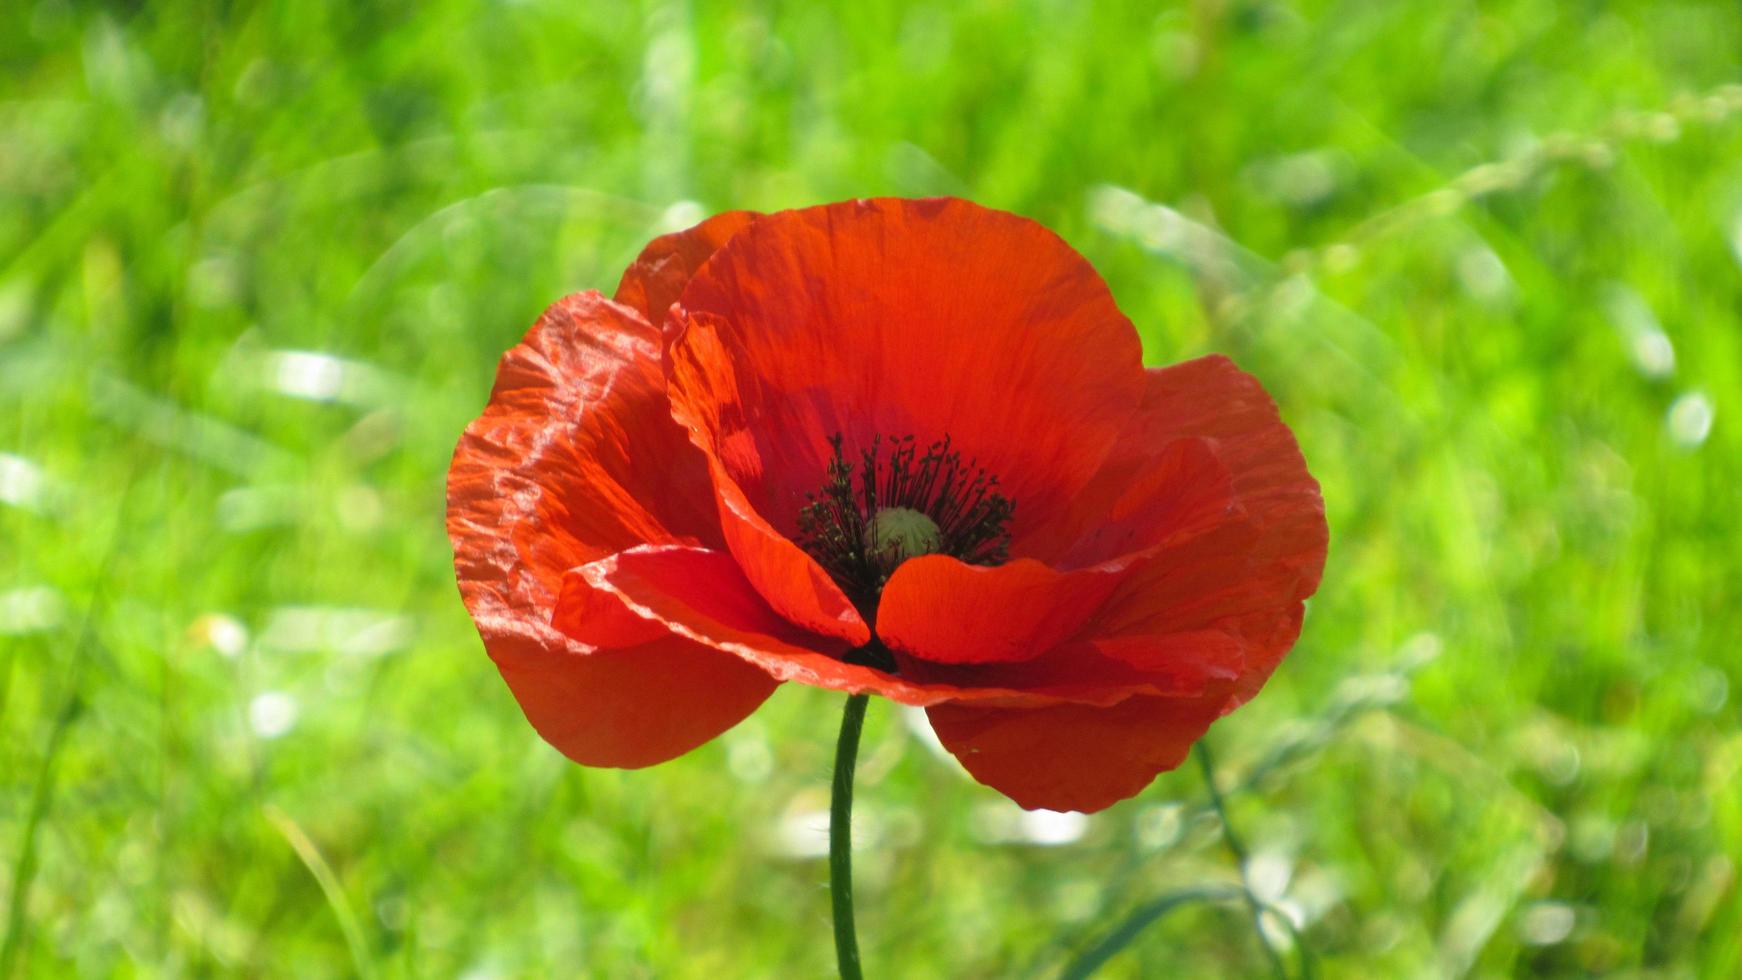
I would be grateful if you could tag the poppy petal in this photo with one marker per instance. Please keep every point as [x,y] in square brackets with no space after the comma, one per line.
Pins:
[1097,672]
[886,317]
[1153,487]
[703,596]
[626,708]
[546,479]
[1211,398]
[1190,661]
[659,274]
[1248,576]
[944,610]
[1073,757]
[552,473]
[947,611]
[690,592]
[786,576]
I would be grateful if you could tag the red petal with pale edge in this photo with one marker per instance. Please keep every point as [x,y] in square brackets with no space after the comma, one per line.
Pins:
[552,475]
[1073,757]
[659,274]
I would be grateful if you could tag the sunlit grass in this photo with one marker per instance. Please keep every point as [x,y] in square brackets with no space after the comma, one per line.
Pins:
[257,262]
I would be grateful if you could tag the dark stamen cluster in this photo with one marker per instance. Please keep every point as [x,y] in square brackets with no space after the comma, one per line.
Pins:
[838,525]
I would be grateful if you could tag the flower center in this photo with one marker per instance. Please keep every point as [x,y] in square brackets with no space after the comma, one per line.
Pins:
[904,503]
[898,533]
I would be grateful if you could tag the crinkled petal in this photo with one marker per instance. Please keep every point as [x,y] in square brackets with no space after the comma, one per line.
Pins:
[552,475]
[927,318]
[554,472]
[1074,757]
[659,274]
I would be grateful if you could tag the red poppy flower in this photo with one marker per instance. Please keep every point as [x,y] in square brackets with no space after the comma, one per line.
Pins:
[890,446]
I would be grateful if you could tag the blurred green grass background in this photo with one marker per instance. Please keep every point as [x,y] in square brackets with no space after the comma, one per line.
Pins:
[257,262]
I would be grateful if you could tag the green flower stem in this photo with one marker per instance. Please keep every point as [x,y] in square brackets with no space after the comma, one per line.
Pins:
[841,839]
